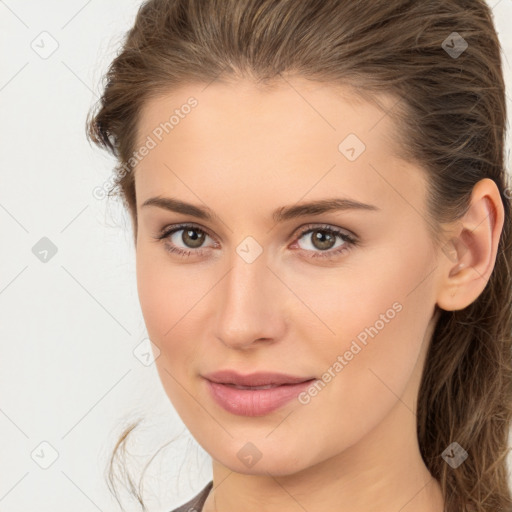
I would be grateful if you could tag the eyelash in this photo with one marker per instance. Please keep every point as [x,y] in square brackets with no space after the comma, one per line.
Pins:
[349,240]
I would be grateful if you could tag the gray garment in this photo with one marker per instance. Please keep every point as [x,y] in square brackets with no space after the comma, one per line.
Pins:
[197,502]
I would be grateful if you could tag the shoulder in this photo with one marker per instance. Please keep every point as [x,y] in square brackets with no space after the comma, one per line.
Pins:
[197,502]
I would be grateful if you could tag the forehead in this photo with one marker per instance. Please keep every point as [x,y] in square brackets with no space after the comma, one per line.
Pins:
[299,106]
[296,137]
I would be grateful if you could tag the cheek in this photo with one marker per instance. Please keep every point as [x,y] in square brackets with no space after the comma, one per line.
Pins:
[164,309]
[153,296]
[162,304]
[383,314]
[169,297]
[381,301]
[166,291]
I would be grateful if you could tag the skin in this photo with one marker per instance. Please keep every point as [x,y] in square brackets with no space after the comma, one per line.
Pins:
[243,152]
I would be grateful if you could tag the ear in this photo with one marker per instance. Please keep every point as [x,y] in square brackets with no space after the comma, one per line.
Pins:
[468,258]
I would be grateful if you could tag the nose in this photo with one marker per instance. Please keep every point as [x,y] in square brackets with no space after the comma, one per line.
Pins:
[250,305]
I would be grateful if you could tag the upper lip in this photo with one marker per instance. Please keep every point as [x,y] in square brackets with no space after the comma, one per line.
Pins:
[253,379]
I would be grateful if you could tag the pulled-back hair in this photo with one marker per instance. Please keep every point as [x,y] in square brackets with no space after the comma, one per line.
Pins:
[450,115]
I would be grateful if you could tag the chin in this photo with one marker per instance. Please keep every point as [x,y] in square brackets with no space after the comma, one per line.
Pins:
[263,458]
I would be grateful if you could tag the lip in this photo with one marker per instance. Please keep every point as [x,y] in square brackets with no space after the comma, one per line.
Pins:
[254,379]
[254,402]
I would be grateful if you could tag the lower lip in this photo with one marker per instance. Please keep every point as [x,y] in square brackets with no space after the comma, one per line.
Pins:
[258,402]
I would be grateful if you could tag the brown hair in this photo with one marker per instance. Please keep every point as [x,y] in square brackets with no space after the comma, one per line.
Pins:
[450,116]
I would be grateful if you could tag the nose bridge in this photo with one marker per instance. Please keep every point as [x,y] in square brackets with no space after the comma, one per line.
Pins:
[248,306]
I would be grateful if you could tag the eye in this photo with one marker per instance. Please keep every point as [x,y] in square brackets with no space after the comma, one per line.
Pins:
[323,239]
[192,236]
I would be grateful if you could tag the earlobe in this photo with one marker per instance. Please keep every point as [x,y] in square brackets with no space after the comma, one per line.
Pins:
[468,259]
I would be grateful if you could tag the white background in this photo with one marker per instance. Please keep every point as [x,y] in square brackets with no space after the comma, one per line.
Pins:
[68,327]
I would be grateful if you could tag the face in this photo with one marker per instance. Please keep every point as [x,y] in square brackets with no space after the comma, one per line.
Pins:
[343,296]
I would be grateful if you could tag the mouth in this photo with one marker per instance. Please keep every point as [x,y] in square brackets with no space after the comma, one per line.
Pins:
[261,380]
[256,399]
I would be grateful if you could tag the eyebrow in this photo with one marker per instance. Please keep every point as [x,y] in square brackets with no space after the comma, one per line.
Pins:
[281,214]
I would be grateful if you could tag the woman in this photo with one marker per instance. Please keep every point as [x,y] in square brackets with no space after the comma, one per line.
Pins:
[321,220]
